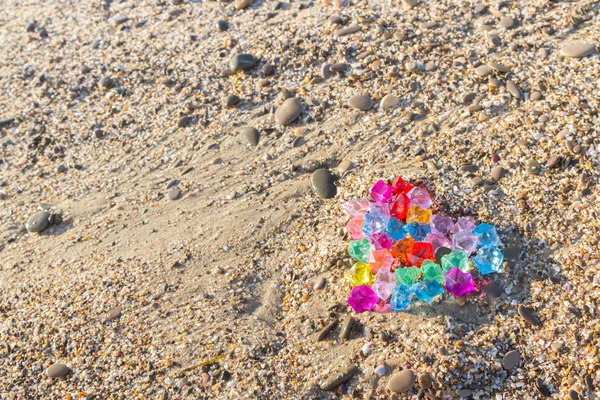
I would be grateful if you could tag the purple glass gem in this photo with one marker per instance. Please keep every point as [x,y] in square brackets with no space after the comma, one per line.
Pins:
[464,240]
[420,197]
[464,224]
[459,283]
[357,207]
[437,240]
[441,224]
[381,192]
[381,241]
[362,298]
[384,282]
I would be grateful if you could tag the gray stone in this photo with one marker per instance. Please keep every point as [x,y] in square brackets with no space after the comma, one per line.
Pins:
[388,102]
[483,70]
[441,252]
[323,183]
[319,283]
[348,30]
[242,62]
[477,181]
[535,96]
[267,69]
[120,19]
[360,102]
[339,377]
[527,314]
[554,161]
[514,90]
[106,82]
[464,393]
[402,382]
[498,67]
[410,3]
[344,166]
[57,370]
[222,25]
[578,50]
[339,67]
[425,381]
[326,329]
[114,313]
[174,193]
[326,71]
[534,167]
[288,111]
[184,121]
[347,326]
[507,22]
[38,222]
[511,359]
[251,135]
[231,100]
[498,173]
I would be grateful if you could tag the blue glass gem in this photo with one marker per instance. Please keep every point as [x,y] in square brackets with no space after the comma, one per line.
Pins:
[396,229]
[428,291]
[402,296]
[486,235]
[418,231]
[488,260]
[375,222]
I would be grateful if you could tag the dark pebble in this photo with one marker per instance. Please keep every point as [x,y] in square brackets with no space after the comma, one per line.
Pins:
[222,25]
[323,183]
[251,135]
[338,378]
[527,314]
[347,326]
[325,331]
[184,121]
[242,62]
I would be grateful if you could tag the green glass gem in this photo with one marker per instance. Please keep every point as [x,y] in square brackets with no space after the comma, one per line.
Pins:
[359,249]
[456,258]
[360,274]
[432,272]
[407,276]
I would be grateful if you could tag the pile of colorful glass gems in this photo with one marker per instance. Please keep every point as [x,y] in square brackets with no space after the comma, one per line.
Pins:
[396,240]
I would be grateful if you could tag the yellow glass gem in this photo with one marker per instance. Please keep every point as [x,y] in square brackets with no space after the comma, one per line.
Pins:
[360,274]
[418,214]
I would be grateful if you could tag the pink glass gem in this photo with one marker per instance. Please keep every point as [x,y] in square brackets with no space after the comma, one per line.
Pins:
[437,241]
[384,282]
[381,258]
[441,224]
[381,192]
[362,298]
[420,197]
[464,224]
[381,241]
[464,240]
[355,227]
[459,283]
[357,207]
[382,307]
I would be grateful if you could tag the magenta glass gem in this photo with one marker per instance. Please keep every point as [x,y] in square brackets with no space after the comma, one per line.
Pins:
[381,241]
[459,283]
[362,298]
[381,192]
